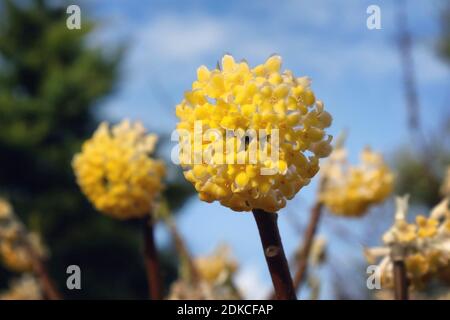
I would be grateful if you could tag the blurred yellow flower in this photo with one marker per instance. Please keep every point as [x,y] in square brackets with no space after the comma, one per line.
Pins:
[5,209]
[416,265]
[427,227]
[15,257]
[24,288]
[115,172]
[405,232]
[217,267]
[243,100]
[16,242]
[351,190]
[425,246]
[15,254]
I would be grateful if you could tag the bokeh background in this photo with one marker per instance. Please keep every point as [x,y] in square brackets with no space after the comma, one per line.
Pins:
[388,88]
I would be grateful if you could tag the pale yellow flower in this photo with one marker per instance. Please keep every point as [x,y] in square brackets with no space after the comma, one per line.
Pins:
[114,170]
[351,190]
[15,254]
[427,227]
[425,245]
[5,209]
[216,267]
[417,265]
[405,232]
[23,288]
[241,99]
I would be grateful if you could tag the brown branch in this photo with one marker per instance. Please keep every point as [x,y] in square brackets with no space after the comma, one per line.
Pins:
[182,249]
[308,240]
[151,260]
[399,271]
[274,254]
[408,72]
[48,286]
[306,245]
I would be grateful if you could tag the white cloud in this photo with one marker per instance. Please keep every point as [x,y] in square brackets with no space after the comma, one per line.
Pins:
[174,36]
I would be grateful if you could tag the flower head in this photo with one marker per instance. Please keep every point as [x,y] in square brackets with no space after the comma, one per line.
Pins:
[115,172]
[351,190]
[5,209]
[245,106]
[216,278]
[425,244]
[24,288]
[217,267]
[16,243]
[427,227]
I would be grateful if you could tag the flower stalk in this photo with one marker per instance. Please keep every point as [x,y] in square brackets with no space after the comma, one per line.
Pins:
[151,260]
[308,239]
[182,249]
[399,274]
[48,286]
[274,254]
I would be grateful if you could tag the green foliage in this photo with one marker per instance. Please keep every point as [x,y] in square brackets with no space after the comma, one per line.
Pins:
[420,173]
[415,179]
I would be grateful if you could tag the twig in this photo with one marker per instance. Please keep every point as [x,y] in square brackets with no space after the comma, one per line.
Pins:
[151,260]
[39,268]
[308,240]
[407,63]
[274,254]
[399,270]
[182,249]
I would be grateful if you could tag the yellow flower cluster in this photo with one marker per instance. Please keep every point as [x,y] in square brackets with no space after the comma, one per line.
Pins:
[115,172]
[216,279]
[15,254]
[216,267]
[239,99]
[351,190]
[421,264]
[24,288]
[425,244]
[16,243]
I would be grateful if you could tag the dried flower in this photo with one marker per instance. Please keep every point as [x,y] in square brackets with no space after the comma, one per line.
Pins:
[115,172]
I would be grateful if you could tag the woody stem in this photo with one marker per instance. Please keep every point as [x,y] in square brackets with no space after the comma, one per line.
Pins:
[183,250]
[151,260]
[48,286]
[399,272]
[274,254]
[308,240]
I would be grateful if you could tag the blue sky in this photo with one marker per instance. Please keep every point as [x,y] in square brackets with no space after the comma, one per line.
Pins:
[355,71]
